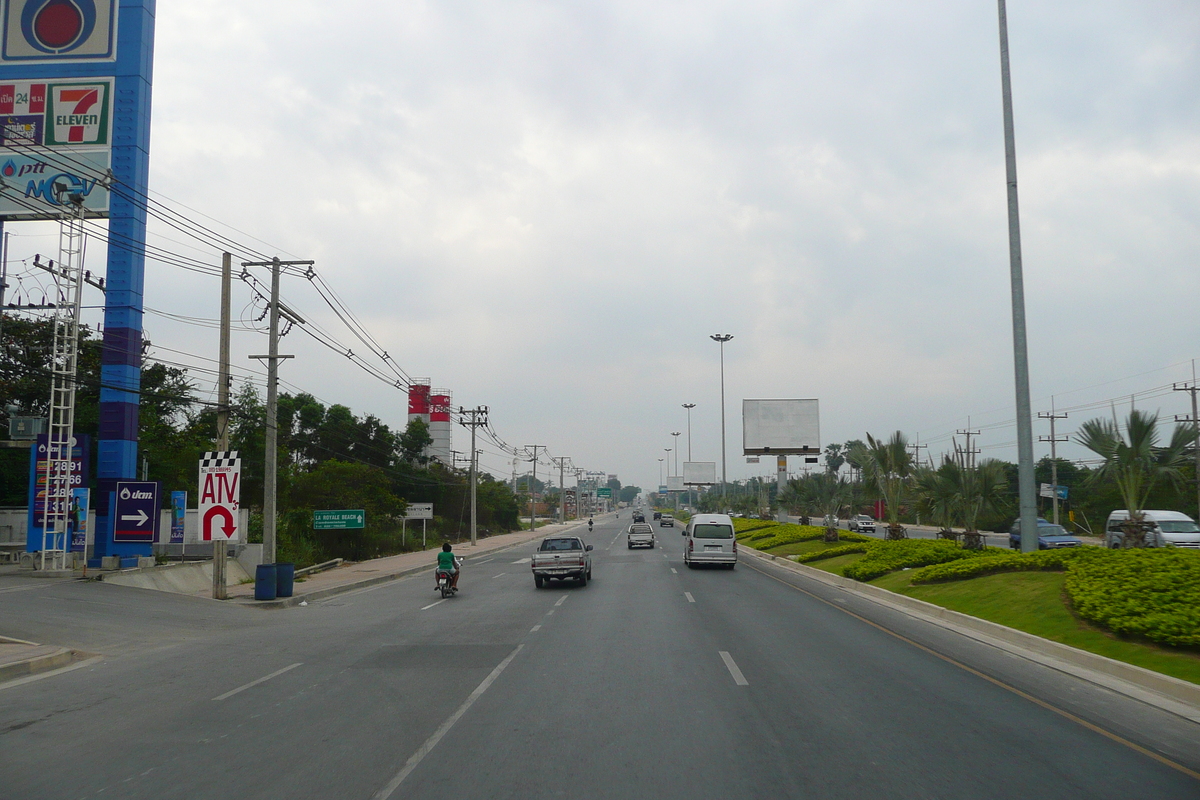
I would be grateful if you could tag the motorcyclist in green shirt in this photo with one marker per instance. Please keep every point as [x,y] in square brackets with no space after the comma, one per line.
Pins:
[448,562]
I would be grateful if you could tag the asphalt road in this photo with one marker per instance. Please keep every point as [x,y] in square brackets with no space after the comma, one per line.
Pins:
[652,681]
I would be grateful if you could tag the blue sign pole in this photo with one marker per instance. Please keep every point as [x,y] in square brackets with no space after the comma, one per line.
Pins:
[109,39]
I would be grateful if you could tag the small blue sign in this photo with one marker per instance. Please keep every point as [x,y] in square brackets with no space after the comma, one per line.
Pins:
[178,515]
[136,511]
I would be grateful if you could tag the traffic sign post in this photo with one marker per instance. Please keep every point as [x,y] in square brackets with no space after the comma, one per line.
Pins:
[220,495]
[135,512]
[421,511]
[339,520]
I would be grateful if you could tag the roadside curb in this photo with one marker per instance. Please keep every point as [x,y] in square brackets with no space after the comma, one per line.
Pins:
[48,661]
[333,591]
[1162,691]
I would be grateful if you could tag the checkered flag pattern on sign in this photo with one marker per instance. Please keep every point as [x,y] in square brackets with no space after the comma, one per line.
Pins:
[219,458]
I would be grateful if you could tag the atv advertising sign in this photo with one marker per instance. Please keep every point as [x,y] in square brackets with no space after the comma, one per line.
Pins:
[220,495]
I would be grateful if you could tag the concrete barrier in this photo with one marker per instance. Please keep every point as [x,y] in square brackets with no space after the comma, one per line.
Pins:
[187,578]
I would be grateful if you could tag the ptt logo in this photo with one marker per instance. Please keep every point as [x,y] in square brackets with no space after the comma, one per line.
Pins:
[51,30]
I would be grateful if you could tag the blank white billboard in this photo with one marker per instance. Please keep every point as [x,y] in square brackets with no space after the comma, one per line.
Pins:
[674,483]
[699,473]
[780,427]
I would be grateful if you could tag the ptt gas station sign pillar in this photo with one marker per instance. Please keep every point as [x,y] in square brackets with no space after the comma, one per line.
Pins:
[75,87]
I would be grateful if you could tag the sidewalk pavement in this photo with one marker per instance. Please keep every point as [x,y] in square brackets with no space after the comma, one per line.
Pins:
[349,577]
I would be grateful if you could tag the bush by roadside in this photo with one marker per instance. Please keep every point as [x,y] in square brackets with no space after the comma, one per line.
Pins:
[884,557]
[1153,593]
[830,552]
[990,564]
[788,533]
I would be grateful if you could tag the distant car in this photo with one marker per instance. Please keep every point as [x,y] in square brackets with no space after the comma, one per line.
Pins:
[658,515]
[1167,529]
[641,534]
[1050,536]
[666,521]
[862,524]
[639,516]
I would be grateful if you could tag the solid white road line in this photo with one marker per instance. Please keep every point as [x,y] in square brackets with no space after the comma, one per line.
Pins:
[521,561]
[431,605]
[561,600]
[501,575]
[688,595]
[432,741]
[263,679]
[738,677]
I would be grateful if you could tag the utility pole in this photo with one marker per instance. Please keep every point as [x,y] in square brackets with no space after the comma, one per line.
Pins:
[562,487]
[478,417]
[969,454]
[578,492]
[1194,419]
[722,338]
[220,548]
[4,282]
[270,465]
[1054,440]
[532,482]
[917,447]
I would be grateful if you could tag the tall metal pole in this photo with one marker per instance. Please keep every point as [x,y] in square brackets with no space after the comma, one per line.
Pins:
[689,407]
[1028,496]
[220,549]
[722,338]
[676,435]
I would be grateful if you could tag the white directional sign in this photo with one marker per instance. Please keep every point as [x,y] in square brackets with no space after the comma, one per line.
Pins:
[220,493]
[419,511]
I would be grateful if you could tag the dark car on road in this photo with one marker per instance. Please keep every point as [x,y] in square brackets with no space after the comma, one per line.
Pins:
[1050,536]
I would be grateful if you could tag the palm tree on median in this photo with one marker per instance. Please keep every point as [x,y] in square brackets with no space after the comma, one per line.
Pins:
[1135,462]
[887,466]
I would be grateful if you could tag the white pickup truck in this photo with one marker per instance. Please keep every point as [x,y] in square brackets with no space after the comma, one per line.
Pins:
[640,534]
[561,557]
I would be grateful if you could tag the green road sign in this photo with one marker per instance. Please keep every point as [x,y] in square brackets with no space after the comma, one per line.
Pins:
[338,520]
[604,491]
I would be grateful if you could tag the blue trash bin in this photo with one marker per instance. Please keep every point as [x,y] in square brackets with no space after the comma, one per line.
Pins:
[264,582]
[285,576]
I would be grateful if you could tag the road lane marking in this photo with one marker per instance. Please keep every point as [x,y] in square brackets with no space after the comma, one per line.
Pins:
[50,673]
[561,600]
[535,628]
[732,666]
[431,605]
[688,595]
[674,570]
[263,679]
[521,561]
[432,741]
[551,611]
[997,682]
[501,575]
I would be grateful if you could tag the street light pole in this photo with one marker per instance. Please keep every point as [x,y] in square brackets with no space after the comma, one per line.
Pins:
[1028,497]
[676,434]
[722,338]
[660,477]
[689,407]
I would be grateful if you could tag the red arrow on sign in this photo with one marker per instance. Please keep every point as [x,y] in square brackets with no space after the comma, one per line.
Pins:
[207,526]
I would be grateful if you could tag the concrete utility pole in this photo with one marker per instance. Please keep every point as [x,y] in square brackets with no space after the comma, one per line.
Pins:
[1194,419]
[220,548]
[562,487]
[969,457]
[1053,440]
[1028,495]
[532,491]
[722,338]
[917,447]
[478,417]
[270,465]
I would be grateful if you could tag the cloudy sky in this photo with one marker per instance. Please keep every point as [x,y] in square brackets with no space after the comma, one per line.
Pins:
[548,207]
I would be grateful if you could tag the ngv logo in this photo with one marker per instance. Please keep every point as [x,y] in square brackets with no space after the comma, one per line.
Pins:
[126,494]
[58,189]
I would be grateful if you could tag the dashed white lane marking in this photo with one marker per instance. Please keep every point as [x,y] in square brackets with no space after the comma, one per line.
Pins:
[688,595]
[839,600]
[535,628]
[263,679]
[431,742]
[521,561]
[551,611]
[561,600]
[674,570]
[431,605]
[738,677]
[502,574]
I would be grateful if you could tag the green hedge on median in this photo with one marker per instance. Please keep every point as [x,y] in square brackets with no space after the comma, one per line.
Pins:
[830,552]
[1053,560]
[789,534]
[890,556]
[1143,592]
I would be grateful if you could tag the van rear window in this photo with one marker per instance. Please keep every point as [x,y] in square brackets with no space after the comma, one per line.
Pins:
[711,531]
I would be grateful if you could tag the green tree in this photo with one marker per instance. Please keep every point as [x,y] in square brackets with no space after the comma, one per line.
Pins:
[887,467]
[629,493]
[1134,461]
[414,441]
[834,457]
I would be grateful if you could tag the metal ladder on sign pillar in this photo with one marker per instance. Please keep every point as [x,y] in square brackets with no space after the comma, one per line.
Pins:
[60,441]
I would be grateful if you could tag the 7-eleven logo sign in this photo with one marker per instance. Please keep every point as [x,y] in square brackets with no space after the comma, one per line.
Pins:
[78,114]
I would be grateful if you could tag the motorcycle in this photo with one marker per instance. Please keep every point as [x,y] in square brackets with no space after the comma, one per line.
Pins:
[589,526]
[444,581]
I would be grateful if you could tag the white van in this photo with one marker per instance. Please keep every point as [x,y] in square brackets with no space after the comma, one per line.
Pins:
[710,541]
[1171,529]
